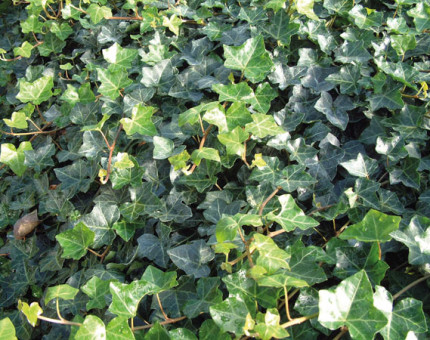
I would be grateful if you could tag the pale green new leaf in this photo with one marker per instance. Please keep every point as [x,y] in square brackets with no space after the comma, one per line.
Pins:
[76,241]
[7,329]
[97,13]
[36,92]
[65,292]
[263,126]
[15,158]
[126,297]
[140,121]
[112,82]
[92,329]
[234,141]
[118,57]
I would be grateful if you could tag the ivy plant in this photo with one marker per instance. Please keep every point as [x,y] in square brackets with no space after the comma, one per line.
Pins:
[214,169]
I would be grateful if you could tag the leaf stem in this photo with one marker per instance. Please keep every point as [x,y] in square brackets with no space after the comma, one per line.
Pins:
[29,133]
[343,331]
[63,322]
[409,286]
[202,143]
[168,321]
[111,149]
[287,308]
[161,307]
[260,211]
[298,321]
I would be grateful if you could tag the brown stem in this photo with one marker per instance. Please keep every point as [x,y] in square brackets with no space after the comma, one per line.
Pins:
[124,18]
[161,307]
[379,250]
[343,331]
[111,149]
[29,133]
[247,252]
[244,152]
[276,233]
[409,286]
[202,143]
[320,209]
[287,308]
[260,212]
[298,321]
[168,321]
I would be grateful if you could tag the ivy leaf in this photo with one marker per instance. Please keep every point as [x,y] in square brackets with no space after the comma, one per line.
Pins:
[306,7]
[62,31]
[230,315]
[336,112]
[251,58]
[271,257]
[210,330]
[40,158]
[15,158]
[97,13]
[51,44]
[421,16]
[24,50]
[240,92]
[340,7]
[263,126]
[270,328]
[227,227]
[31,312]
[408,173]
[294,177]
[291,216]
[76,177]
[97,290]
[157,281]
[31,24]
[163,147]
[93,328]
[119,58]
[362,166]
[65,292]
[205,153]
[140,121]
[237,115]
[7,329]
[375,227]
[406,316]
[18,120]
[233,140]
[390,98]
[126,297]
[157,332]
[351,304]
[112,82]
[36,92]
[216,116]
[207,294]
[347,77]
[262,98]
[280,27]
[76,241]
[411,237]
[192,258]
[118,329]
[352,52]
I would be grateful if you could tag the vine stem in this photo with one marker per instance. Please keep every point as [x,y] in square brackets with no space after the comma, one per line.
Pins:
[161,307]
[62,322]
[166,322]
[111,147]
[260,211]
[29,133]
[298,321]
[409,286]
[202,143]
[341,334]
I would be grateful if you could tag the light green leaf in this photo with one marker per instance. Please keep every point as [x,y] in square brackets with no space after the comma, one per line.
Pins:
[65,292]
[294,177]
[123,161]
[163,147]
[291,216]
[118,329]
[375,227]
[31,312]
[227,227]
[124,229]
[157,332]
[36,92]
[263,126]
[205,153]
[306,7]
[18,120]
[157,281]
[237,115]
[92,329]
[118,57]
[75,241]
[7,330]
[62,31]
[140,121]
[97,290]
[251,58]
[112,82]
[280,27]
[97,13]
[15,158]
[179,161]
[269,327]
[234,141]
[271,257]
[351,304]
[173,23]
[403,43]
[262,98]
[32,24]
[421,15]
[216,116]
[24,50]
[126,297]
[234,92]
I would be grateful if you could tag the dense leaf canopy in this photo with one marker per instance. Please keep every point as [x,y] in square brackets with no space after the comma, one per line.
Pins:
[214,169]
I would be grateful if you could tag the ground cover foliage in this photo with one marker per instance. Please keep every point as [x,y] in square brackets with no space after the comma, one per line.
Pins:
[214,169]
